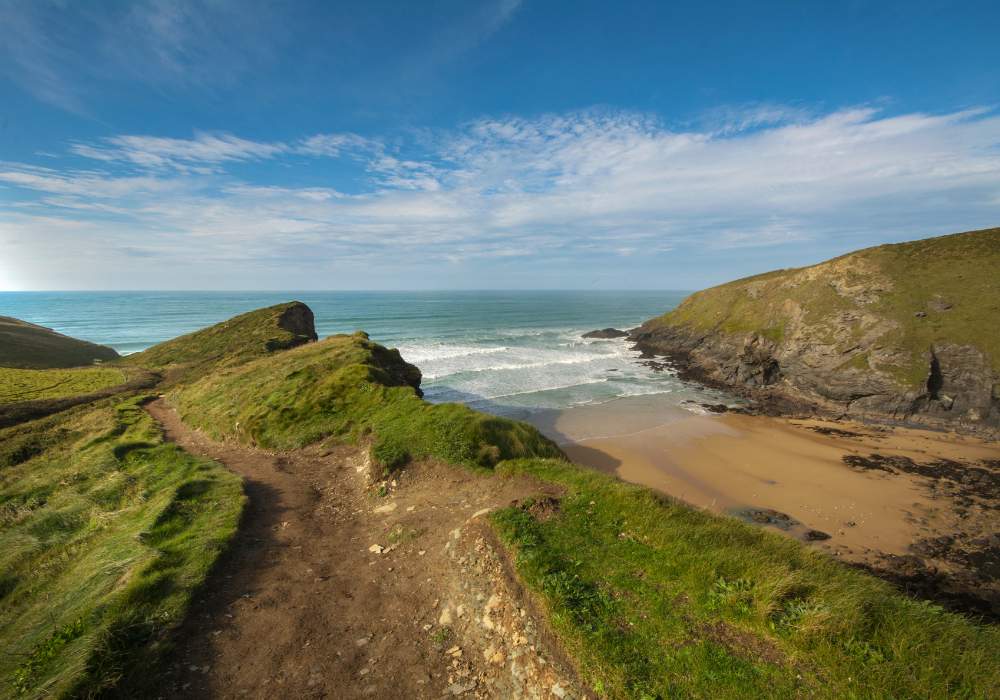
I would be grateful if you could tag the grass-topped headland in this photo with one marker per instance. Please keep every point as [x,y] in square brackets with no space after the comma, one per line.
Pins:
[347,388]
[242,338]
[105,533]
[26,345]
[908,329]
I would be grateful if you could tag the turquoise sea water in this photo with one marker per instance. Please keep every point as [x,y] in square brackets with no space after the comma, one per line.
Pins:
[505,352]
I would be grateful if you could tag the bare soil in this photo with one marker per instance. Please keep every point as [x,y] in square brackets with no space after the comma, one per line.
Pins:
[337,587]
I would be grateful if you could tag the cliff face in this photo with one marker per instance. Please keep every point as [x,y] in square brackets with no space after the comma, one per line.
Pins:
[908,331]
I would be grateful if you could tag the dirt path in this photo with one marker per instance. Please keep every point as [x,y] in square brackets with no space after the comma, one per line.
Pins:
[333,591]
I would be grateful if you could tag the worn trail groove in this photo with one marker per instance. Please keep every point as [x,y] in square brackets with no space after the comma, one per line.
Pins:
[303,605]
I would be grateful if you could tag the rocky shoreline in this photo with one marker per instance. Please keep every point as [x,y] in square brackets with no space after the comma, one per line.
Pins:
[778,382]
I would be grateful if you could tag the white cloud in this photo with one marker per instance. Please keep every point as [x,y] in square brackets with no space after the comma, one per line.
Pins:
[161,152]
[574,185]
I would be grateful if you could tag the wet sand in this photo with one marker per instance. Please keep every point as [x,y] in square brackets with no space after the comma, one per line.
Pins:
[740,464]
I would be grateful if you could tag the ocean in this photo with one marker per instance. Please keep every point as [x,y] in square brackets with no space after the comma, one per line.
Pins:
[505,352]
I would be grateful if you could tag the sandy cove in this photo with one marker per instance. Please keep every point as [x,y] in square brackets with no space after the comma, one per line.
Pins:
[919,507]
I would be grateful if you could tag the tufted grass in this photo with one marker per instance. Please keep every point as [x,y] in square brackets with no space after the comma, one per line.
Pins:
[655,599]
[32,384]
[347,388]
[105,533]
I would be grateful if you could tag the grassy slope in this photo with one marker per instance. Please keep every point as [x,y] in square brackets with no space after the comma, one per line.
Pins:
[24,344]
[961,268]
[240,339]
[348,388]
[105,531]
[32,384]
[654,599]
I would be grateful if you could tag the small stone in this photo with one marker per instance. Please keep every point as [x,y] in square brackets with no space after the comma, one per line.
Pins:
[484,511]
[445,618]
[361,642]
[376,549]
[461,688]
[387,508]
[558,691]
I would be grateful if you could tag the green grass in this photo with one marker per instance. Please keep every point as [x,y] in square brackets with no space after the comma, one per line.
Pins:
[233,342]
[347,388]
[32,384]
[26,345]
[105,533]
[657,600]
[906,278]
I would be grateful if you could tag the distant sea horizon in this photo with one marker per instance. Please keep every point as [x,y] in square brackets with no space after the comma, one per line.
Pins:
[508,352]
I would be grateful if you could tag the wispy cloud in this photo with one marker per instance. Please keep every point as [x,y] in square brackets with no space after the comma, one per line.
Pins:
[571,186]
[181,154]
[57,50]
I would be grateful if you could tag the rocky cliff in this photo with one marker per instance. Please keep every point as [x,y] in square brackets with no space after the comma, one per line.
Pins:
[909,331]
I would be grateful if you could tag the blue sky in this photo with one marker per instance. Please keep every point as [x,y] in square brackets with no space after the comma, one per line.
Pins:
[239,144]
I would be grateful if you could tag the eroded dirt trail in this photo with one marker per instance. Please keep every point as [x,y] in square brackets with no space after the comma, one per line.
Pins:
[330,591]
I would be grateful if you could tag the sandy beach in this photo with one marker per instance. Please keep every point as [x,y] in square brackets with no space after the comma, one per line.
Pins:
[907,502]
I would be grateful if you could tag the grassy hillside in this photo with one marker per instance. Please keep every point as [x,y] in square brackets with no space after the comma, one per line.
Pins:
[349,388]
[902,297]
[105,532]
[240,339]
[34,384]
[655,599]
[652,598]
[26,345]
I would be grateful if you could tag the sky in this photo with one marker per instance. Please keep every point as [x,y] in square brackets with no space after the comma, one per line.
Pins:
[523,144]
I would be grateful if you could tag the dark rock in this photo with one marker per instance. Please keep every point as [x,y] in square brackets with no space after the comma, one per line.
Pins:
[920,314]
[816,535]
[766,516]
[399,370]
[298,320]
[606,333]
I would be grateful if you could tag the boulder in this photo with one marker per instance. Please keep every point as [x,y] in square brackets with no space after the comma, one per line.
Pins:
[606,334]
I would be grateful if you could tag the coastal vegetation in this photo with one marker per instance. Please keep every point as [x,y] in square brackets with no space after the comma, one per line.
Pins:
[107,530]
[900,330]
[26,345]
[347,388]
[37,384]
[656,599]
[227,344]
